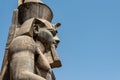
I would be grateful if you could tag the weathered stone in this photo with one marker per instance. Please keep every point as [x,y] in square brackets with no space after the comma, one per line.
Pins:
[12,32]
[26,28]
[25,1]
[31,46]
[34,10]
[57,62]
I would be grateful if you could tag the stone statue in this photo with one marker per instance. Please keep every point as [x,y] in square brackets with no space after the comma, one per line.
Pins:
[31,47]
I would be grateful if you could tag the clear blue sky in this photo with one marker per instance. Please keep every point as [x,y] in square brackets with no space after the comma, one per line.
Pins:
[90,37]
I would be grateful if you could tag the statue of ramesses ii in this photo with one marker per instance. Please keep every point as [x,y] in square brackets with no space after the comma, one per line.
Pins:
[30,52]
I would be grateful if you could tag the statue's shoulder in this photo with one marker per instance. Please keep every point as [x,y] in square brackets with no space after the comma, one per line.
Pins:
[21,43]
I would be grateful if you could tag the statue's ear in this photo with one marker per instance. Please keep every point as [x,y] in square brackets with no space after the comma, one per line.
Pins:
[35,29]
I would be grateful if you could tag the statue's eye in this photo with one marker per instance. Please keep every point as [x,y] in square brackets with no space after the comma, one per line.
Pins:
[53,31]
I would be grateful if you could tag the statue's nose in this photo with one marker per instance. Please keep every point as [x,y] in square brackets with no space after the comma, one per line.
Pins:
[57,40]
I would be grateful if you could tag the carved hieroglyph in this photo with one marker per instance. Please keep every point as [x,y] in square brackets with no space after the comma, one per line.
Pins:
[31,47]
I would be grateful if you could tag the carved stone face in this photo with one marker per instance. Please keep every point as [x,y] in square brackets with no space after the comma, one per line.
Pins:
[46,33]
[45,36]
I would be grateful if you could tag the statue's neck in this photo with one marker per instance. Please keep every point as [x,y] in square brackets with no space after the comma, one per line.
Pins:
[40,45]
